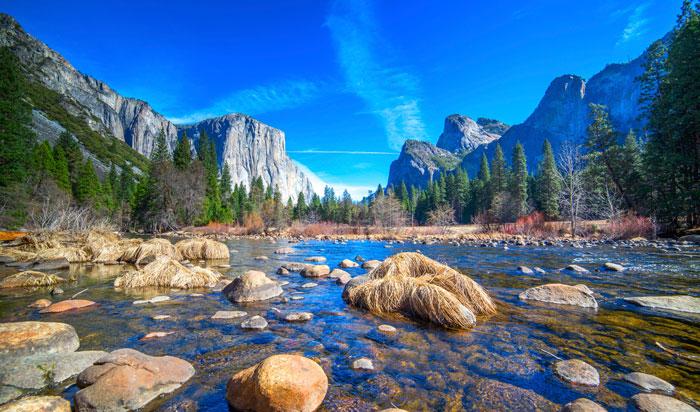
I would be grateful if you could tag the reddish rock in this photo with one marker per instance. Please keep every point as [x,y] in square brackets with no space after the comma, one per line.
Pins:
[38,404]
[66,305]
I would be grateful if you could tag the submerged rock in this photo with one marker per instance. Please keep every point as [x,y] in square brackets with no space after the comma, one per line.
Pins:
[678,303]
[255,322]
[127,379]
[649,382]
[38,404]
[651,402]
[40,303]
[279,383]
[561,294]
[66,305]
[252,286]
[577,372]
[284,251]
[229,314]
[493,395]
[582,405]
[316,259]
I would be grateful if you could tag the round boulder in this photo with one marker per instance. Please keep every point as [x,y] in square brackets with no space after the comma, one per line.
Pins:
[371,264]
[37,404]
[316,271]
[36,338]
[582,405]
[279,383]
[252,286]
[347,263]
[649,382]
[651,402]
[577,372]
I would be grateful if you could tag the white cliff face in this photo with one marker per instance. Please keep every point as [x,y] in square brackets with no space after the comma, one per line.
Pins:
[461,134]
[104,110]
[251,149]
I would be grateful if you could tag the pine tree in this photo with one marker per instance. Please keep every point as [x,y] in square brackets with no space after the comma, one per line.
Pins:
[87,187]
[225,182]
[300,210]
[43,162]
[499,174]
[160,151]
[182,155]
[347,208]
[15,119]
[548,183]
[519,180]
[60,173]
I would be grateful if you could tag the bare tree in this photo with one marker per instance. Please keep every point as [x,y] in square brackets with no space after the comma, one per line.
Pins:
[443,216]
[386,211]
[572,196]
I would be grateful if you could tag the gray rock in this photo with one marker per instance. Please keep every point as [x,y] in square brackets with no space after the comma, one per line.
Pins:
[52,264]
[649,382]
[294,266]
[316,271]
[386,329]
[255,322]
[371,264]
[284,251]
[651,402]
[347,263]
[36,372]
[577,372]
[20,339]
[582,405]
[526,270]
[316,259]
[298,316]
[463,135]
[229,314]
[539,270]
[363,364]
[577,269]
[56,291]
[579,295]
[678,303]
[309,285]
[252,286]
[615,267]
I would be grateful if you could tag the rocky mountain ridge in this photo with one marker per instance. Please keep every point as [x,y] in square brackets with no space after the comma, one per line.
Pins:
[461,134]
[110,116]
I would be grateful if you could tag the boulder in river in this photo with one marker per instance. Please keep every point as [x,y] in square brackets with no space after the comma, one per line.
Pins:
[577,269]
[285,251]
[127,379]
[649,382]
[294,266]
[316,271]
[526,270]
[167,272]
[30,278]
[37,404]
[252,286]
[341,277]
[315,259]
[652,402]
[614,267]
[582,405]
[677,303]
[577,372]
[278,383]
[371,264]
[255,322]
[557,293]
[18,339]
[347,263]
[52,264]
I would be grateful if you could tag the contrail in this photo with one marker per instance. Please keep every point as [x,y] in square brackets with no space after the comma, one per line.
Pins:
[342,152]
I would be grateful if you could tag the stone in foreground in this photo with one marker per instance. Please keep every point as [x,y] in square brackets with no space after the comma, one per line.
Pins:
[649,382]
[252,286]
[582,405]
[577,372]
[651,402]
[279,383]
[35,372]
[678,303]
[560,294]
[19,339]
[127,379]
[38,404]
[255,322]
[316,271]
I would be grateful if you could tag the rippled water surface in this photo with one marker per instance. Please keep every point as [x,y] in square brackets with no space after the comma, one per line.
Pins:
[504,363]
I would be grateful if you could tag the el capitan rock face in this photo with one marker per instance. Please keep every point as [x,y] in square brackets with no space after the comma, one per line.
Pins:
[106,111]
[251,149]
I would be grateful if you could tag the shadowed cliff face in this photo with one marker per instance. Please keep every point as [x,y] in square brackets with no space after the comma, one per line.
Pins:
[252,148]
[419,163]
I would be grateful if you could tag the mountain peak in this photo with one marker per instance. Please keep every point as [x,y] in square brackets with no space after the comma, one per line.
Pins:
[461,134]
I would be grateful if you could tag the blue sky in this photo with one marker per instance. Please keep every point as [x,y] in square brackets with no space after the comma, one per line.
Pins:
[347,81]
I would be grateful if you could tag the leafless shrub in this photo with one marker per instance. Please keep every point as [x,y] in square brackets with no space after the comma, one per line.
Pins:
[61,216]
[443,216]
[386,211]
[572,196]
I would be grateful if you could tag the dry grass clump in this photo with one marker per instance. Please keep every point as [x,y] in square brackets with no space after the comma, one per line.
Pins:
[112,252]
[421,288]
[166,272]
[153,247]
[96,240]
[17,254]
[202,248]
[71,254]
[30,278]
[41,240]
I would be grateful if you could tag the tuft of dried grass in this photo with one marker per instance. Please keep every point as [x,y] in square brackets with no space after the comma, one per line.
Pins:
[156,247]
[167,272]
[30,278]
[70,253]
[202,248]
[419,287]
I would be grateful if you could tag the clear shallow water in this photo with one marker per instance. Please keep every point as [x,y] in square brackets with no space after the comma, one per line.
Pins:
[504,363]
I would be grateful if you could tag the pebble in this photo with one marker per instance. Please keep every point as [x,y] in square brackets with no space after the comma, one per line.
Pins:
[298,316]
[309,285]
[161,317]
[386,329]
[154,335]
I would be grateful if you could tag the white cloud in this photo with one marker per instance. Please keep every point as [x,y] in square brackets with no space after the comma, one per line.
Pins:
[636,23]
[389,92]
[260,99]
[356,191]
